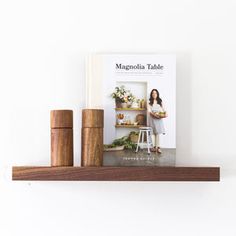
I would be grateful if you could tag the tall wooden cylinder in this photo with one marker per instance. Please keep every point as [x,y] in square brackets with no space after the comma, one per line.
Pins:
[62,138]
[92,137]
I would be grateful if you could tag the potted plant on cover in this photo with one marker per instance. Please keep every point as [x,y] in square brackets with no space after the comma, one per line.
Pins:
[123,97]
[120,144]
[133,136]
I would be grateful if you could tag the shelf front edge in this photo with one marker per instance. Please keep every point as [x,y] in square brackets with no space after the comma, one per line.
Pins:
[32,173]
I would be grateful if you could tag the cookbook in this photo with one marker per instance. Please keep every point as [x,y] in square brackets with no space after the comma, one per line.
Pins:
[138,95]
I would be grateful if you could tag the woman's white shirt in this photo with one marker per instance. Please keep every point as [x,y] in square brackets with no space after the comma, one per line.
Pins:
[156,107]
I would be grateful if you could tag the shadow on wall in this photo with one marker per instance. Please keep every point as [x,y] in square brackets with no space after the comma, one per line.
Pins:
[183,109]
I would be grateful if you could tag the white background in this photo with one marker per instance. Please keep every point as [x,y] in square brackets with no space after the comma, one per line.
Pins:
[42,50]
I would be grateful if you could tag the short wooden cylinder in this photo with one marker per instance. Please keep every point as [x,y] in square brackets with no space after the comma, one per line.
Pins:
[92,147]
[92,118]
[61,147]
[61,119]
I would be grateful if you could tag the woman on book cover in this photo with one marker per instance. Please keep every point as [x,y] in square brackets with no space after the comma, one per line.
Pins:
[156,113]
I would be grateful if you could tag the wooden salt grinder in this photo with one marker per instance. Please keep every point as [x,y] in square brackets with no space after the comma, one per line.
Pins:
[92,137]
[61,138]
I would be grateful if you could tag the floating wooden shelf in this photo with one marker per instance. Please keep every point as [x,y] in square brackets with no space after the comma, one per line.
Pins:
[130,109]
[129,126]
[116,173]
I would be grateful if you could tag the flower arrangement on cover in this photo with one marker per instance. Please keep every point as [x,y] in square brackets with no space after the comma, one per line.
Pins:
[121,94]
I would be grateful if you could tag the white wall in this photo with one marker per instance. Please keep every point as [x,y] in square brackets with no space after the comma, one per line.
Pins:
[42,50]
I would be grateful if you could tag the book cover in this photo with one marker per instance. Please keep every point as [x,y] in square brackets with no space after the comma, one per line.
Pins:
[138,95]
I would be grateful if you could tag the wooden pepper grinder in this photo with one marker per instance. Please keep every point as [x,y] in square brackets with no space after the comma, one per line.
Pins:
[61,138]
[92,137]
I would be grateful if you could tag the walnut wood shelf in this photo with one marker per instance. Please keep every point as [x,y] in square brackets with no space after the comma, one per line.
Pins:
[30,173]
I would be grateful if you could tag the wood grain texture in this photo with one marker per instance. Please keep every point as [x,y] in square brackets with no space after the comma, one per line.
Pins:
[93,118]
[92,146]
[61,119]
[62,147]
[117,173]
